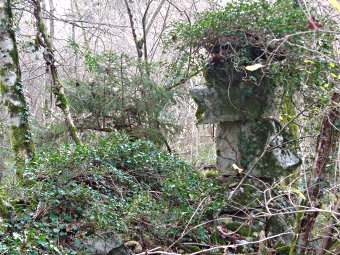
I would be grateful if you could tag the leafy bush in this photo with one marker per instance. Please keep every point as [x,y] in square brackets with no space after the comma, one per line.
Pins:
[122,94]
[272,34]
[114,184]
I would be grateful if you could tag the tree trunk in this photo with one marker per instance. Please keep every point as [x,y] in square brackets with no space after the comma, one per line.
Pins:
[318,175]
[11,88]
[57,88]
[1,168]
[327,237]
[74,4]
[52,11]
[48,99]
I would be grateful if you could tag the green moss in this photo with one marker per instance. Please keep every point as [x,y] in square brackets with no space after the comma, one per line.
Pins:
[17,138]
[246,97]
[252,144]
[211,173]
[242,230]
[289,112]
[15,55]
[233,93]
[2,72]
[41,27]
[62,100]
[74,135]
[22,143]
[3,88]
[200,109]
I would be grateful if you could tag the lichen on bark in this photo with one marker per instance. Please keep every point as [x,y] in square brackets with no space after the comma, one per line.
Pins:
[57,88]
[11,88]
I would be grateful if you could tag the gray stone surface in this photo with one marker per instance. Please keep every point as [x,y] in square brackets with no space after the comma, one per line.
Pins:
[227,151]
[134,246]
[244,106]
[107,244]
[241,143]
[214,105]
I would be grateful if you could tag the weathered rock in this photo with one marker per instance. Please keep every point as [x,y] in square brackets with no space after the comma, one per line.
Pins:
[241,143]
[107,244]
[213,106]
[246,106]
[232,95]
[227,141]
[224,219]
[134,246]
[243,105]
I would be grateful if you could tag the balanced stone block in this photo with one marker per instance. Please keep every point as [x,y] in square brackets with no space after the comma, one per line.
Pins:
[245,108]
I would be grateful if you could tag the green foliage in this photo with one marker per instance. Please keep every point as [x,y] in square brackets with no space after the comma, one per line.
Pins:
[111,184]
[247,32]
[122,94]
[240,31]
[261,18]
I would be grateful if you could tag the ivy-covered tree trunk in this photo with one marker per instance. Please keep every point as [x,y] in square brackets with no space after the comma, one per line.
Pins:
[57,88]
[11,88]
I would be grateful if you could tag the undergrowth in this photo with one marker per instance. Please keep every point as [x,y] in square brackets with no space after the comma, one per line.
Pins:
[114,183]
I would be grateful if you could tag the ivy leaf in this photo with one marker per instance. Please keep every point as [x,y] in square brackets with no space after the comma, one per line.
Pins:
[67,217]
[56,230]
[16,235]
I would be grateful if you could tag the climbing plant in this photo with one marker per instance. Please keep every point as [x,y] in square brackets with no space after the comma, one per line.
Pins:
[277,38]
[293,47]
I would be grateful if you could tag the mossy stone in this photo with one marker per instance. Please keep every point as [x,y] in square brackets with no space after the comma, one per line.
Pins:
[230,94]
[280,160]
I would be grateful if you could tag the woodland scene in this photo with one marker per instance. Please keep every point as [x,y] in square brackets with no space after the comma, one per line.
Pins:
[170,127]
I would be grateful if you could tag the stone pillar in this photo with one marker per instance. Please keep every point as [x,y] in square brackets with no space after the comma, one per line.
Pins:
[227,146]
[246,116]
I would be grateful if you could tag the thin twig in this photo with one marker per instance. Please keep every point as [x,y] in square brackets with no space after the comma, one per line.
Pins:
[186,227]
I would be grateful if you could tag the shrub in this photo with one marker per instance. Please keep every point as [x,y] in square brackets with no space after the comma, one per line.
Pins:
[114,183]
[122,95]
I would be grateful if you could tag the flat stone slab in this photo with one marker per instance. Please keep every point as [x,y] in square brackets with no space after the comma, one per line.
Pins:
[214,106]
